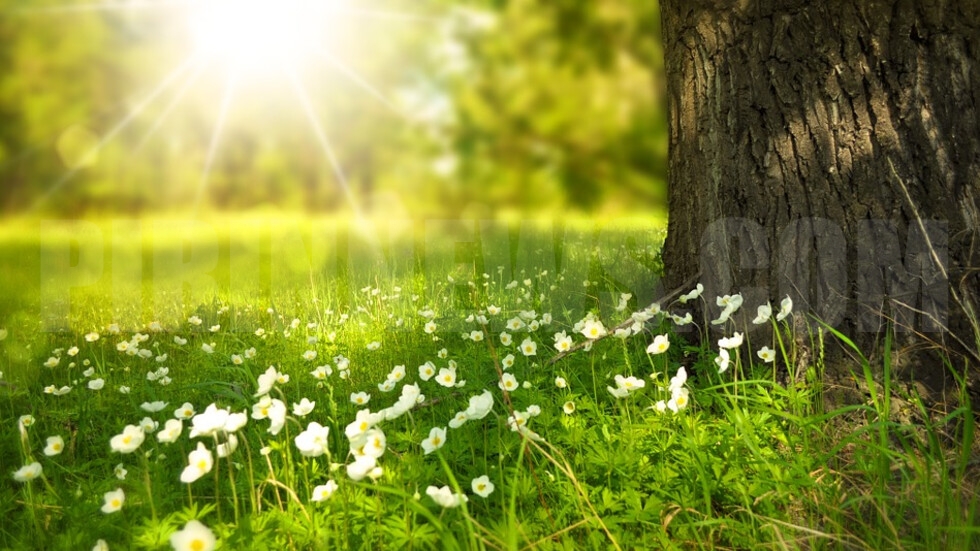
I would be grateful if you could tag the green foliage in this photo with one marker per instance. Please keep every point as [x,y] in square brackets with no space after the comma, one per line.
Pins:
[751,461]
[471,107]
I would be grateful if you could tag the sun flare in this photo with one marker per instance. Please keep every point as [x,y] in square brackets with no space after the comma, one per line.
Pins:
[259,35]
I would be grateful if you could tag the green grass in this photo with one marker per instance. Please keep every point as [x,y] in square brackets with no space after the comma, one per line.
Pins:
[753,461]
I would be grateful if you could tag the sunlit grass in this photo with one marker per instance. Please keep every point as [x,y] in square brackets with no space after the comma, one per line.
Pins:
[685,457]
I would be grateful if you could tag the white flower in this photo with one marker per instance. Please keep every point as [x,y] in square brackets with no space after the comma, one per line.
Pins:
[507,362]
[208,348]
[785,308]
[100,545]
[436,439]
[362,423]
[323,491]
[458,420]
[199,463]
[508,382]
[691,295]
[766,354]
[682,320]
[360,398]
[73,351]
[194,320]
[374,444]
[128,441]
[179,341]
[506,339]
[120,471]
[476,335]
[55,445]
[322,372]
[209,422]
[266,381]
[722,360]
[303,408]
[113,501]
[153,407]
[194,537]
[730,302]
[678,400]
[28,472]
[148,425]
[446,377]
[309,355]
[730,342]
[313,441]
[91,337]
[678,380]
[563,342]
[171,431]
[515,324]
[228,447]
[445,497]
[397,373]
[482,486]
[480,405]
[630,383]
[568,407]
[763,313]
[659,345]
[374,345]
[186,411]
[593,329]
[560,382]
[52,362]
[96,384]
[529,347]
[363,465]
[427,370]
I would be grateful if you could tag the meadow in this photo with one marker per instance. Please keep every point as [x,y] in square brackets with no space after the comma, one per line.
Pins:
[324,384]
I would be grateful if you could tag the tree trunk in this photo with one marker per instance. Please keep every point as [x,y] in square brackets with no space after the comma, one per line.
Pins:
[829,151]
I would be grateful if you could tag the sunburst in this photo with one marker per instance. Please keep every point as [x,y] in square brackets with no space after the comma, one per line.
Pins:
[241,40]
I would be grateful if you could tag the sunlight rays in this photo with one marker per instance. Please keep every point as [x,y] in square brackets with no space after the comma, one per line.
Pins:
[120,126]
[221,35]
[356,79]
[219,126]
[107,6]
[321,137]
[176,100]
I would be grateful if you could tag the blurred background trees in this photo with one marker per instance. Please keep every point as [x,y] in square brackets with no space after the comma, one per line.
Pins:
[477,108]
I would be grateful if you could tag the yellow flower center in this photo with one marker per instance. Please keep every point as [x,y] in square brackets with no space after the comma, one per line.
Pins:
[436,440]
[127,439]
[197,545]
[202,465]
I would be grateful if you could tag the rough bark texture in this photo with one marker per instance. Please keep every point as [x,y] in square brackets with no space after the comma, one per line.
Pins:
[806,141]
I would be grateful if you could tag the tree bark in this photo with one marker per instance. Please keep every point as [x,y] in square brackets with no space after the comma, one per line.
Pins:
[829,151]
